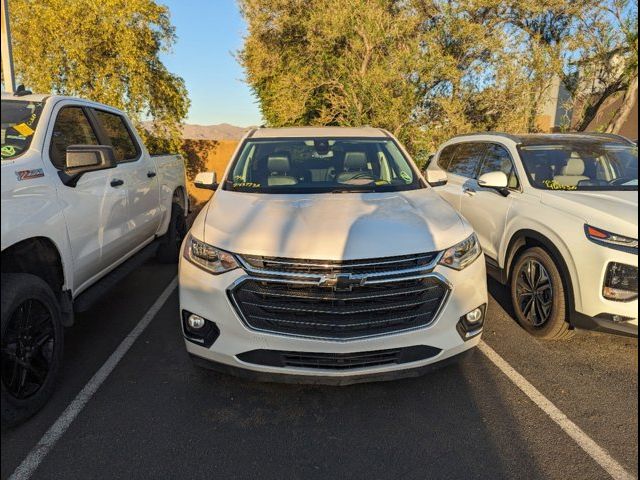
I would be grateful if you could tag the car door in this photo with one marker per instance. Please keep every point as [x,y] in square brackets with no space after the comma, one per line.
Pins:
[138,172]
[461,169]
[95,210]
[485,208]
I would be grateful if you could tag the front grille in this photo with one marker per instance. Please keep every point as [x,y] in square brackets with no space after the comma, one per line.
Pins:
[339,361]
[327,267]
[311,310]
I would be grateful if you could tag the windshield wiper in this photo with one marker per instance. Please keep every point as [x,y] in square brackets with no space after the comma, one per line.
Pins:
[353,190]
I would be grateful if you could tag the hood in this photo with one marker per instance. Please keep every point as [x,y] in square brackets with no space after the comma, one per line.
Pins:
[343,226]
[615,211]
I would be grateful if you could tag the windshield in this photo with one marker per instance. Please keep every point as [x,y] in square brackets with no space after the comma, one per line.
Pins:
[321,165]
[19,121]
[581,166]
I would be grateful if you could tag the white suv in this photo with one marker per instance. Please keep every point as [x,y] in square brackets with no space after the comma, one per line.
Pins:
[324,257]
[556,216]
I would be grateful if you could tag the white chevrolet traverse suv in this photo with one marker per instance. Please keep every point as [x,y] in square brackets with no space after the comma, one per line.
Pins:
[556,216]
[324,257]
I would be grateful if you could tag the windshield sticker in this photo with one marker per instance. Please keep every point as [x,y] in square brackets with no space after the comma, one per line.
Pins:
[247,185]
[23,129]
[8,151]
[405,176]
[553,185]
[29,174]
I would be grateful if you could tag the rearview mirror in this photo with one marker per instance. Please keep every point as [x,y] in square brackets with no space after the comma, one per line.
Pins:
[436,177]
[206,181]
[81,159]
[496,180]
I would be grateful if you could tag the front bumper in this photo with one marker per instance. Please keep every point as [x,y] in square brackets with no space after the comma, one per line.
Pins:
[206,295]
[592,310]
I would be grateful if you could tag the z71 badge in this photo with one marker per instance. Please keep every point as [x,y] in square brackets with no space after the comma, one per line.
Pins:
[29,174]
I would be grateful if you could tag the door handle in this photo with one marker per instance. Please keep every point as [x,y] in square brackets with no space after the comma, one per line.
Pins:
[469,191]
[151,174]
[117,182]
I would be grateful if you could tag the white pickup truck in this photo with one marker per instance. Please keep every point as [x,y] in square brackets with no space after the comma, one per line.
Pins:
[82,203]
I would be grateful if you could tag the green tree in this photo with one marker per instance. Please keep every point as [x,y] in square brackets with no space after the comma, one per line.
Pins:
[423,69]
[353,66]
[107,51]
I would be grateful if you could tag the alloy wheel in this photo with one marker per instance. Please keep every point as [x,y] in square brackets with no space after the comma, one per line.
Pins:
[28,345]
[534,292]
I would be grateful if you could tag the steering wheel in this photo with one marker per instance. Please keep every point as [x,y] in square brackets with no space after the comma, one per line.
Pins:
[621,180]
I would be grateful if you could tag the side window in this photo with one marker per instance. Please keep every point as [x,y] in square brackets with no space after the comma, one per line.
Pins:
[116,130]
[72,127]
[497,159]
[465,162]
[446,155]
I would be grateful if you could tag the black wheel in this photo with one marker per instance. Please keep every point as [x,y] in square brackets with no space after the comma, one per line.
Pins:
[32,344]
[538,295]
[169,248]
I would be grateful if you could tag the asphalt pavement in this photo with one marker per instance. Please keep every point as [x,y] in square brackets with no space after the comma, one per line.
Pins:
[157,416]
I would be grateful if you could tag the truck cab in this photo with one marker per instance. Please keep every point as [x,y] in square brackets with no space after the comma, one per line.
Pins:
[81,196]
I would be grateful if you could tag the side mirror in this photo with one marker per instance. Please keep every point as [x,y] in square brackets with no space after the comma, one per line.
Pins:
[436,177]
[496,180]
[82,159]
[206,181]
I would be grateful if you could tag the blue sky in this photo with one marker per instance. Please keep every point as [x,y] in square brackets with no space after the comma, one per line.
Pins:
[209,32]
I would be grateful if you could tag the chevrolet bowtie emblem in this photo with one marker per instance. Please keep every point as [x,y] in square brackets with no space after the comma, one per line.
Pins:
[341,281]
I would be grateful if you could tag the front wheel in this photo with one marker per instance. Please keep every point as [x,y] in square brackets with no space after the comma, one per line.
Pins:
[538,296]
[32,343]
[169,248]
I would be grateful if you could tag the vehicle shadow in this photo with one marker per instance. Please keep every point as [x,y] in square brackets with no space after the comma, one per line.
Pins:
[502,295]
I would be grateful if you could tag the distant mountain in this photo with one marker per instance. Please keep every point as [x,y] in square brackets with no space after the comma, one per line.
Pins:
[223,131]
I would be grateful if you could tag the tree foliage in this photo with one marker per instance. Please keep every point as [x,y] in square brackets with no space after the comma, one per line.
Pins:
[423,69]
[107,51]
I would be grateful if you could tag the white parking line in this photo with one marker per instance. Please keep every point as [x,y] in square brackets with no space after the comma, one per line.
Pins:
[49,439]
[585,442]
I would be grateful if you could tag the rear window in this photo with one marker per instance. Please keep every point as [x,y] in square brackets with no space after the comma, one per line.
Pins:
[116,130]
[320,165]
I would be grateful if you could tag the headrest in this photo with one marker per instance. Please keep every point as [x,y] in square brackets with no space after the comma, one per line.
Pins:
[355,161]
[574,167]
[278,163]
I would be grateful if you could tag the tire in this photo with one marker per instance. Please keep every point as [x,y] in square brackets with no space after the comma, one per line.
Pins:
[169,248]
[36,340]
[538,294]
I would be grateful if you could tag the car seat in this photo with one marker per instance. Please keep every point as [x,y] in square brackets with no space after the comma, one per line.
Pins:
[572,172]
[279,168]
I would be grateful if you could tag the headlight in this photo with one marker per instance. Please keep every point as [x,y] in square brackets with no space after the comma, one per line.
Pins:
[611,240]
[207,257]
[463,254]
[620,282]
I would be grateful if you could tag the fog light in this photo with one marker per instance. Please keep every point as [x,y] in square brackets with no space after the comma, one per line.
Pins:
[470,325]
[196,322]
[474,316]
[199,330]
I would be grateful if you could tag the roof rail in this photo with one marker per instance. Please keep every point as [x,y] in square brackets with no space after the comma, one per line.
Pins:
[611,136]
[513,138]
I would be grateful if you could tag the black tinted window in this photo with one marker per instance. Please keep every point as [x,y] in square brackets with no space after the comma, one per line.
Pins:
[118,134]
[446,155]
[466,159]
[71,128]
[497,159]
